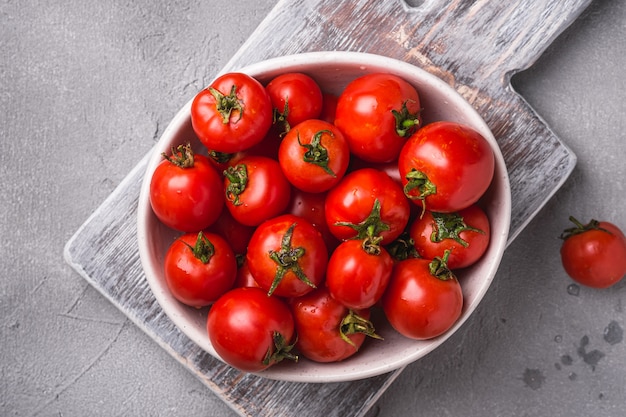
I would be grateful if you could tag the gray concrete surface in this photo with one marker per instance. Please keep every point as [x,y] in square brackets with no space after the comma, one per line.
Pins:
[86,89]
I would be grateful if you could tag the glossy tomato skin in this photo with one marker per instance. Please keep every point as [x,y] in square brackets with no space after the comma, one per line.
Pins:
[242,324]
[318,318]
[455,158]
[245,121]
[238,235]
[595,257]
[295,97]
[283,247]
[244,276]
[186,199]
[194,282]
[419,305]
[310,206]
[353,199]
[314,156]
[466,244]
[329,107]
[357,278]
[365,114]
[256,190]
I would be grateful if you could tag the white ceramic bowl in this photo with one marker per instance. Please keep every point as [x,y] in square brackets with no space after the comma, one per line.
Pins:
[333,70]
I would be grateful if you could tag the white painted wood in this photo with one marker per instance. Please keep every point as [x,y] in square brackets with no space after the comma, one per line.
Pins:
[475,46]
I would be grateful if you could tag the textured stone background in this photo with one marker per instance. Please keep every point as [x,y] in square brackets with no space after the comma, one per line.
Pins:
[87,88]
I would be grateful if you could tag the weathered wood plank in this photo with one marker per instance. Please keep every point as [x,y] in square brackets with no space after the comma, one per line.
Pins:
[104,252]
[474,45]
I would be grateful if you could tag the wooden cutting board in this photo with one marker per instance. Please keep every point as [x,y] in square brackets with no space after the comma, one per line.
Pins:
[475,46]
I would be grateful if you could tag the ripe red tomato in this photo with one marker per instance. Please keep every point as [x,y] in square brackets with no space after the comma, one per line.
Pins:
[329,107]
[310,206]
[446,167]
[314,156]
[256,190]
[594,254]
[287,256]
[295,98]
[377,113]
[244,276]
[327,330]
[199,268]
[465,234]
[185,191]
[367,202]
[358,274]
[232,114]
[251,331]
[238,235]
[418,304]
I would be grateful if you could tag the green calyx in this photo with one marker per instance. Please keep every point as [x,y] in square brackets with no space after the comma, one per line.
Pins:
[220,157]
[316,153]
[418,187]
[280,351]
[450,226]
[287,258]
[352,323]
[182,156]
[403,248]
[581,228]
[406,122]
[225,104]
[203,249]
[237,177]
[438,267]
[279,117]
[369,230]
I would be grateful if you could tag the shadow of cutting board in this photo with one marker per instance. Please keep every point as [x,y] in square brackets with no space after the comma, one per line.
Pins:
[475,46]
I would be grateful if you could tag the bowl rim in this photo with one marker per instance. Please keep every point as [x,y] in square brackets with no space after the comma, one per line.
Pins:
[336,373]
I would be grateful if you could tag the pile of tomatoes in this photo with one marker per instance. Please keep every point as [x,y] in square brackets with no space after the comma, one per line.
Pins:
[309,210]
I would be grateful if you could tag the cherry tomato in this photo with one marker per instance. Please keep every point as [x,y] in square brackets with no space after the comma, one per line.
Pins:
[358,273]
[244,276]
[251,331]
[238,235]
[390,168]
[327,330]
[314,156]
[232,114]
[310,206]
[287,256]
[329,107]
[199,268]
[377,113]
[465,234]
[256,190]
[295,98]
[421,304]
[185,191]
[594,254]
[367,202]
[446,167]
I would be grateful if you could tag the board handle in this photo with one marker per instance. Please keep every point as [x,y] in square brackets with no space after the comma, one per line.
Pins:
[475,46]
[482,39]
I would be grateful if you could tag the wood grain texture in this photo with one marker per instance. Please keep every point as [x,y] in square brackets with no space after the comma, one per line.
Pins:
[475,46]
[104,252]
